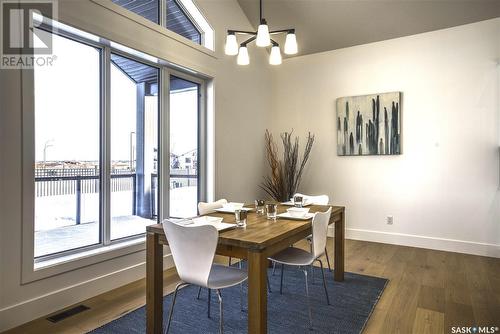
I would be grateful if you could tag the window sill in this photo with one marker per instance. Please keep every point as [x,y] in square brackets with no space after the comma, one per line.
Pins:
[52,267]
[88,253]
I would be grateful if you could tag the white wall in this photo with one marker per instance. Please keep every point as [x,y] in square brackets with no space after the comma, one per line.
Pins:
[443,189]
[239,123]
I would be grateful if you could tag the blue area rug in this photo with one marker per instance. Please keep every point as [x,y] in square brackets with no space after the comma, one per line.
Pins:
[352,303]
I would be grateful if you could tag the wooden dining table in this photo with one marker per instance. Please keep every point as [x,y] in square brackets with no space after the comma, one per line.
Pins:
[257,241]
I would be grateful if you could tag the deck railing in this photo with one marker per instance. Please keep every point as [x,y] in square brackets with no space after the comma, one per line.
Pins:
[83,184]
[56,182]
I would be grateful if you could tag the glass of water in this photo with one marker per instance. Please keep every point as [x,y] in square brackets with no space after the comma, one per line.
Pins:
[260,206]
[241,217]
[298,201]
[271,210]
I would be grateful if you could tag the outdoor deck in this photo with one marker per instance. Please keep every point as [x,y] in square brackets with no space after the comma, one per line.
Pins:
[56,229]
[86,234]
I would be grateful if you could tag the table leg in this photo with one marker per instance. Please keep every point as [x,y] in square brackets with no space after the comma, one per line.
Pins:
[257,292]
[339,248]
[154,284]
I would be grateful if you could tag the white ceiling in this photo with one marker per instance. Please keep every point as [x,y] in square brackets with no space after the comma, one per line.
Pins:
[323,25]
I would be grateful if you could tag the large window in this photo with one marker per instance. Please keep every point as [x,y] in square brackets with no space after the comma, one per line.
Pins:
[179,22]
[101,172]
[67,148]
[184,142]
[167,13]
[134,146]
[82,201]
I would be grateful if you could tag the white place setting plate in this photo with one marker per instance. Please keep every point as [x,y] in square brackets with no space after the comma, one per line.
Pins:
[286,215]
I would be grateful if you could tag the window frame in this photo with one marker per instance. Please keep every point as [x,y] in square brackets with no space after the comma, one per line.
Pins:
[202,132]
[107,232]
[30,81]
[198,18]
[50,265]
[163,19]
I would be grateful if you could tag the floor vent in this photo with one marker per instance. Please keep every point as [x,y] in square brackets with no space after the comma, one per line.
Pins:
[68,313]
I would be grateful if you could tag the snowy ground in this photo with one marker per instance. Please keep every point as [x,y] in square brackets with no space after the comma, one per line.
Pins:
[56,229]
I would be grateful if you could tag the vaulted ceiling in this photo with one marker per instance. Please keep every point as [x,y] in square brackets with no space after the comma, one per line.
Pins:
[323,25]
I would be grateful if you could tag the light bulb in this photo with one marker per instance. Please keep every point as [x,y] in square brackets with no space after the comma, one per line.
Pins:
[263,37]
[291,44]
[231,45]
[275,57]
[243,58]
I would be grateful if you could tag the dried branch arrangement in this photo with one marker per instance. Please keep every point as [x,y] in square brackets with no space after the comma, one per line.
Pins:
[286,174]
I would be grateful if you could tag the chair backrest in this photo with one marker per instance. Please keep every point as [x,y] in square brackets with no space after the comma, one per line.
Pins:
[206,208]
[319,232]
[193,250]
[318,200]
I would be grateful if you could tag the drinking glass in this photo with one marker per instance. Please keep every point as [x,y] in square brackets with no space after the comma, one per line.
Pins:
[298,201]
[241,217]
[260,206]
[271,210]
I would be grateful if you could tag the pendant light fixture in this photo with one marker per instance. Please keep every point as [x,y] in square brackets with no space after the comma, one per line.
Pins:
[275,57]
[243,58]
[262,38]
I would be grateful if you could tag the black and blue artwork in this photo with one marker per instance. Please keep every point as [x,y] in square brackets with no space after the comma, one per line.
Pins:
[369,124]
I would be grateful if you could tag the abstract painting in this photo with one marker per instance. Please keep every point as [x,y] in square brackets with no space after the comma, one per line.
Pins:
[369,124]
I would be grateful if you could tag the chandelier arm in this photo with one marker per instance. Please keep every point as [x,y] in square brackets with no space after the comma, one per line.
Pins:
[274,32]
[251,39]
[241,32]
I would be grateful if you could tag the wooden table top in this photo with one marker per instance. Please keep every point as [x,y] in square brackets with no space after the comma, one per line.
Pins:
[261,232]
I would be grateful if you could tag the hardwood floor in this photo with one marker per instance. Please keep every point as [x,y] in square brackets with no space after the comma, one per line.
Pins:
[429,292]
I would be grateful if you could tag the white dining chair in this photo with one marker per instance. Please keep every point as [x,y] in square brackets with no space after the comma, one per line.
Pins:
[317,200]
[297,257]
[193,251]
[204,208]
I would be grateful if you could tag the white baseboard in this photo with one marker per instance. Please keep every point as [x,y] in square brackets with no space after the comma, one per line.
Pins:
[28,310]
[451,245]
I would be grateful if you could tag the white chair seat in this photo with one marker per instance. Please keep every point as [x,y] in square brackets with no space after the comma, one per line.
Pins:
[294,257]
[222,277]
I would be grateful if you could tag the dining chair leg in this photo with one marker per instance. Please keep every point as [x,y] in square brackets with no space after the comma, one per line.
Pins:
[312,274]
[209,296]
[230,258]
[173,304]
[268,284]
[308,301]
[324,282]
[274,267]
[199,292]
[328,260]
[221,319]
[281,281]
